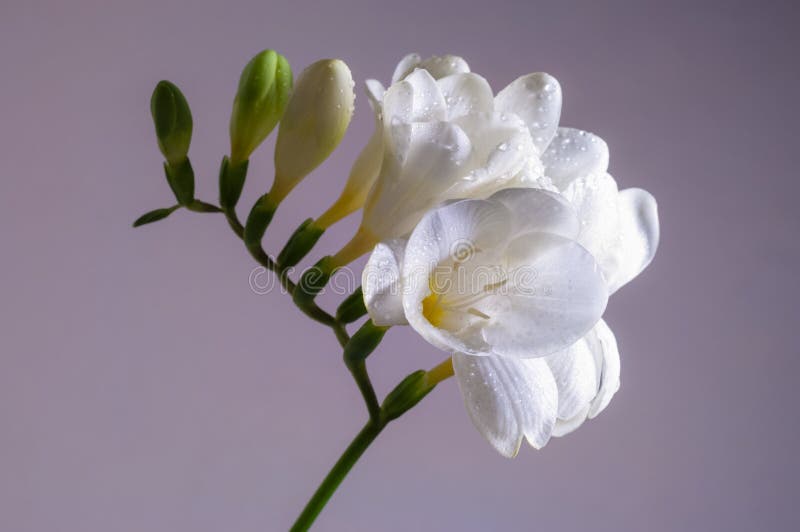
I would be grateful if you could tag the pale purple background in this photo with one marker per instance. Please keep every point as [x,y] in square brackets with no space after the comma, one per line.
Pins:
[144,387]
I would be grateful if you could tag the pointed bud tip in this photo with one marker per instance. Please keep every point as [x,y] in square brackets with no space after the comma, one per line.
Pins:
[172,118]
[263,93]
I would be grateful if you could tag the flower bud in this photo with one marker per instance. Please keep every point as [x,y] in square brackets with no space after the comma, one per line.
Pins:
[315,122]
[173,121]
[264,90]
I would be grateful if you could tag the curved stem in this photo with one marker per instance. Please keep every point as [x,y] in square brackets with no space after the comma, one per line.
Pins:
[360,375]
[312,311]
[340,469]
[354,451]
[233,221]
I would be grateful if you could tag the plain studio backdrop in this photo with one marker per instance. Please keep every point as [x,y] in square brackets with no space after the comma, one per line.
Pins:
[145,387]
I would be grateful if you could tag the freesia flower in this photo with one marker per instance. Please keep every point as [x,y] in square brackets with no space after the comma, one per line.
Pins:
[503,286]
[446,136]
[502,276]
[501,283]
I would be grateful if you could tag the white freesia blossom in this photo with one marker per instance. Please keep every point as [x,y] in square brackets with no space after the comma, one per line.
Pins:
[446,136]
[502,284]
[526,368]
[502,276]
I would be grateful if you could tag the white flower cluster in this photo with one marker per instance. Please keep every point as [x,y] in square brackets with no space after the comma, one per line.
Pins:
[471,188]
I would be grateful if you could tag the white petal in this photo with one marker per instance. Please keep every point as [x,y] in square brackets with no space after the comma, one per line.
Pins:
[575,371]
[508,399]
[501,146]
[637,238]
[382,284]
[441,66]
[463,227]
[405,67]
[423,160]
[604,346]
[429,153]
[532,176]
[536,210]
[565,426]
[595,198]
[574,153]
[417,98]
[536,98]
[375,92]
[556,294]
[466,93]
[438,66]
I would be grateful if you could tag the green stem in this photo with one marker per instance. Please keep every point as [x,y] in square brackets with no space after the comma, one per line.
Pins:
[340,469]
[233,221]
[359,371]
[312,311]
[405,396]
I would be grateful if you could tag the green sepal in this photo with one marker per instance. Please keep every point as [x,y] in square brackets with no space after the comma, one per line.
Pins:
[363,342]
[300,243]
[257,222]
[202,206]
[180,177]
[313,281]
[406,395]
[352,308]
[154,216]
[231,182]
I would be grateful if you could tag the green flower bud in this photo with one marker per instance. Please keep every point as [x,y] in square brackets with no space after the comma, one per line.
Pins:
[264,90]
[173,121]
[315,122]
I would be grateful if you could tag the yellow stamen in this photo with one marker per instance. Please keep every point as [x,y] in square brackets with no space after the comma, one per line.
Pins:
[433,310]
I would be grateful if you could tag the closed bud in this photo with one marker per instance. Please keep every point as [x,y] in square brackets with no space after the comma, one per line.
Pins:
[173,121]
[315,122]
[264,90]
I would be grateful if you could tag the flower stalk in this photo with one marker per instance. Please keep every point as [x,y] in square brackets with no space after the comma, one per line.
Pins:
[407,394]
